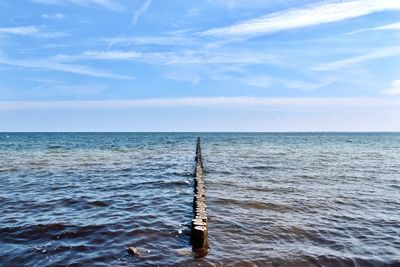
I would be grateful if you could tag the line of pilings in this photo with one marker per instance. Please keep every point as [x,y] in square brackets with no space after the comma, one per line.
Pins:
[199,233]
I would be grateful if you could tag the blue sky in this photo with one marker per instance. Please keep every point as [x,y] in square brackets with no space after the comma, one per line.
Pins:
[155,65]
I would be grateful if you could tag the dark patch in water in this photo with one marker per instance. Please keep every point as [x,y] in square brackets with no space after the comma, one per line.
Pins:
[98,203]
[54,147]
[8,170]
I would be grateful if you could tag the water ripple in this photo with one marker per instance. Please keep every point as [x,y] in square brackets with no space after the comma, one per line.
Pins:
[272,199]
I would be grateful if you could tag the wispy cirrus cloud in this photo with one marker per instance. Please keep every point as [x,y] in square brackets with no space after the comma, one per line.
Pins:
[22,30]
[108,4]
[99,55]
[53,90]
[394,89]
[249,4]
[32,31]
[393,26]
[44,64]
[269,81]
[384,52]
[135,18]
[387,27]
[193,12]
[62,90]
[178,58]
[194,66]
[239,101]
[53,16]
[325,12]
[162,40]
[140,11]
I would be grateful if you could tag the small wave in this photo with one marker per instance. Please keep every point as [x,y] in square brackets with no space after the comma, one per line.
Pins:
[260,189]
[180,174]
[163,184]
[60,249]
[152,233]
[262,167]
[222,172]
[38,163]
[8,169]
[252,204]
[31,231]
[341,261]
[304,261]
[89,164]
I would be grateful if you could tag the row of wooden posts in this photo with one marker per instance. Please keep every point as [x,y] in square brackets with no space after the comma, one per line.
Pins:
[199,231]
[199,225]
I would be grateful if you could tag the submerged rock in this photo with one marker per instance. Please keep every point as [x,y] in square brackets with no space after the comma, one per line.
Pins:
[133,251]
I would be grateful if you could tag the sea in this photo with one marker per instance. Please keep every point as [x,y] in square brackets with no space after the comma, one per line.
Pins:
[273,199]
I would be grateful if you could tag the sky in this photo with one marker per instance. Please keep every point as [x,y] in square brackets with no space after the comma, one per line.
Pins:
[199,65]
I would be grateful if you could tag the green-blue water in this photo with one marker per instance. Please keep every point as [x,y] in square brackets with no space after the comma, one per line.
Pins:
[310,199]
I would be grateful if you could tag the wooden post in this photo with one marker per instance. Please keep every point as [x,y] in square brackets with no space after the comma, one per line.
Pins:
[199,233]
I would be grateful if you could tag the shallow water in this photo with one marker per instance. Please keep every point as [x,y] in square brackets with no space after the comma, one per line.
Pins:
[273,199]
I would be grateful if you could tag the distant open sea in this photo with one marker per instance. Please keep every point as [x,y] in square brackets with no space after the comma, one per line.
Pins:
[273,199]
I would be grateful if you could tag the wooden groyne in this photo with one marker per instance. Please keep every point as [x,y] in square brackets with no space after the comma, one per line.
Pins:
[199,233]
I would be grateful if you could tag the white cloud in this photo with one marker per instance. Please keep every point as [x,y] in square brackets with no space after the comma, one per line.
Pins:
[394,89]
[377,54]
[52,35]
[204,102]
[101,55]
[194,66]
[326,12]
[248,4]
[261,81]
[180,58]
[152,40]
[183,76]
[56,66]
[135,18]
[141,10]
[52,88]
[264,81]
[23,30]
[225,56]
[388,27]
[194,11]
[32,31]
[112,55]
[108,4]
[393,26]
[53,16]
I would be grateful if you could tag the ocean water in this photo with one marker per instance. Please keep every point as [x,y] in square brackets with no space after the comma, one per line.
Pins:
[284,199]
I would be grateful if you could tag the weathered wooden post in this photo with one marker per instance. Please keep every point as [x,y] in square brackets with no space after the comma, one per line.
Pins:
[199,233]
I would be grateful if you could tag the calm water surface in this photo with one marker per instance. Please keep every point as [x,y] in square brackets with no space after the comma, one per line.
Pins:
[304,199]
